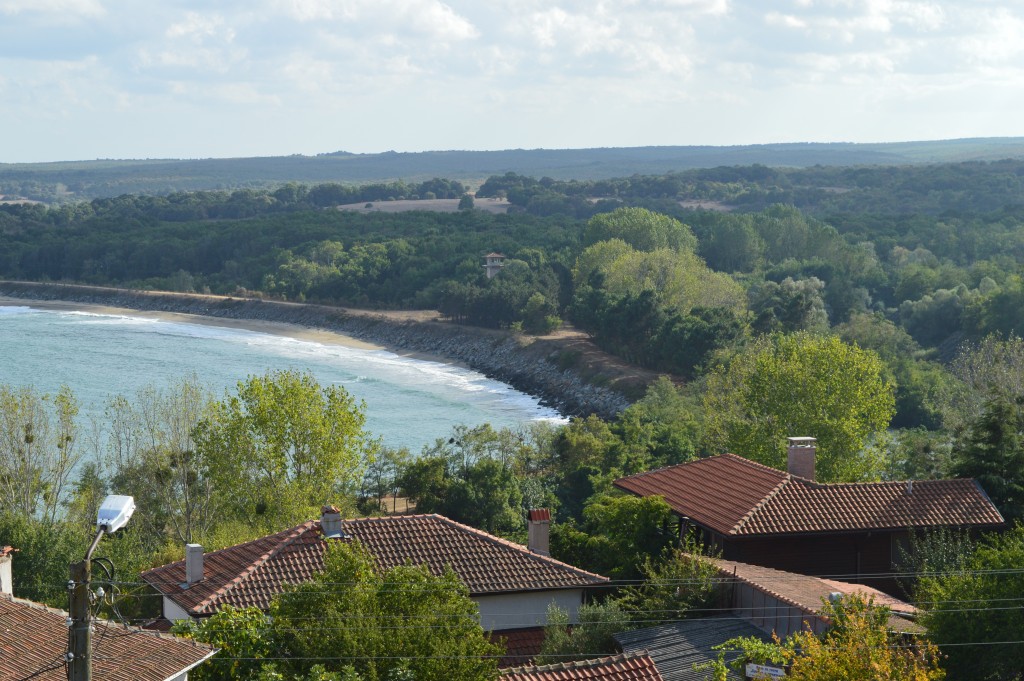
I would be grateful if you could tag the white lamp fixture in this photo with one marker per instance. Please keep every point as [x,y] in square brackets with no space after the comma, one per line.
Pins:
[114,513]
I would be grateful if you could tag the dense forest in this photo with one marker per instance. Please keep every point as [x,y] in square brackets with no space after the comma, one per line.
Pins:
[878,309]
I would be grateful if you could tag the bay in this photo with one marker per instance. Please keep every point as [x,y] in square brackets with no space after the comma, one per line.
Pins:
[409,401]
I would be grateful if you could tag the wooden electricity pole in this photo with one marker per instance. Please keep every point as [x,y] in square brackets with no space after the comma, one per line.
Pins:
[80,632]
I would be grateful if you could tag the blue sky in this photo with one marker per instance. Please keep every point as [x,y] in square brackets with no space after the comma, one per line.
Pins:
[84,79]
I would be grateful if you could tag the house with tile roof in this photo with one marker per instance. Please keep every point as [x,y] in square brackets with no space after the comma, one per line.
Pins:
[625,667]
[760,602]
[784,519]
[512,585]
[34,638]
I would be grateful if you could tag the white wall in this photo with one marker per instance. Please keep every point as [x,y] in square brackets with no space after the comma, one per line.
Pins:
[173,612]
[528,609]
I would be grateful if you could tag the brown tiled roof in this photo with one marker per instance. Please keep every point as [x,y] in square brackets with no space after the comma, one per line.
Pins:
[737,497]
[251,574]
[33,640]
[626,667]
[810,593]
[521,645]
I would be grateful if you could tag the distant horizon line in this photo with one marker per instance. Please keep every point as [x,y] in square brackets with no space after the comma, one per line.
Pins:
[342,153]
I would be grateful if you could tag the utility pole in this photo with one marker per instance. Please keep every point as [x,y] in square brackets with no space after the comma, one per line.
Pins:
[80,631]
[113,514]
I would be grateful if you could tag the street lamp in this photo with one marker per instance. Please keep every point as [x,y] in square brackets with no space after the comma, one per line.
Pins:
[113,514]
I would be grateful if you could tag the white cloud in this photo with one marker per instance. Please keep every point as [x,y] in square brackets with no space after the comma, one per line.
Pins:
[998,38]
[198,28]
[542,72]
[784,20]
[203,43]
[89,8]
[429,17]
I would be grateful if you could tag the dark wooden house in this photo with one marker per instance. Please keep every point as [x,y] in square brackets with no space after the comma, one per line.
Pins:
[759,515]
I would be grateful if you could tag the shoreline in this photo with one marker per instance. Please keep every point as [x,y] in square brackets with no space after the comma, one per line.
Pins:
[545,369]
[274,328]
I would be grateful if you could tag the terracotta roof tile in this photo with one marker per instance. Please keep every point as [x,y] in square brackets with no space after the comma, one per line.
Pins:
[521,645]
[626,667]
[734,496]
[251,574]
[33,640]
[809,593]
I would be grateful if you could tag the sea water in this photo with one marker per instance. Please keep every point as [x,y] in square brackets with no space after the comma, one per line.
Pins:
[409,402]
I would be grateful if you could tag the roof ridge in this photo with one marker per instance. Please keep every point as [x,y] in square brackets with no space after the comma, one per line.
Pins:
[576,664]
[775,491]
[293,533]
[723,455]
[499,541]
[752,463]
[214,552]
[880,483]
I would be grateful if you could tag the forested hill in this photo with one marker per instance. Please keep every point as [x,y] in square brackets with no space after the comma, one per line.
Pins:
[50,182]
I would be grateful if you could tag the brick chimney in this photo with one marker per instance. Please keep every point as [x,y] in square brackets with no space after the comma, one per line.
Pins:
[6,577]
[539,530]
[193,564]
[800,461]
[330,522]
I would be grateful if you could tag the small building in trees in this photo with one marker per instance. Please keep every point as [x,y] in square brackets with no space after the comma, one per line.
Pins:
[788,521]
[493,262]
[513,585]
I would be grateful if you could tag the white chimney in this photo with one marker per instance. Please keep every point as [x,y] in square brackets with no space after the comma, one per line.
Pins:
[800,461]
[330,522]
[6,578]
[539,530]
[193,564]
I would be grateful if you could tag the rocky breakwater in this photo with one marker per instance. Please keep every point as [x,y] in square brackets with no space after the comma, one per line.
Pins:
[538,368]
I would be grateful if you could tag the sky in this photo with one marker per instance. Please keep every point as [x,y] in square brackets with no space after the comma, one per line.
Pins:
[87,79]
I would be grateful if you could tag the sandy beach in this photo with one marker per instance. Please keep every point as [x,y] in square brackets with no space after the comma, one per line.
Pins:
[592,381]
[259,326]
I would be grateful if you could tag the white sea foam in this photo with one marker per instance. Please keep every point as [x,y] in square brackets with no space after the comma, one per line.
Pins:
[12,310]
[409,401]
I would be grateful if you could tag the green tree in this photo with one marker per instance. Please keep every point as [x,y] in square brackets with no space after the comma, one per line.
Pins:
[38,450]
[665,424]
[789,306]
[619,535]
[152,456]
[988,369]
[992,452]
[282,446]
[244,638]
[379,621]
[466,202]
[679,584]
[642,229]
[783,386]
[591,635]
[979,605]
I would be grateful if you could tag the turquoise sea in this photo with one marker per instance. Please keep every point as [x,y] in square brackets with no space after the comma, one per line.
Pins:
[409,402]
